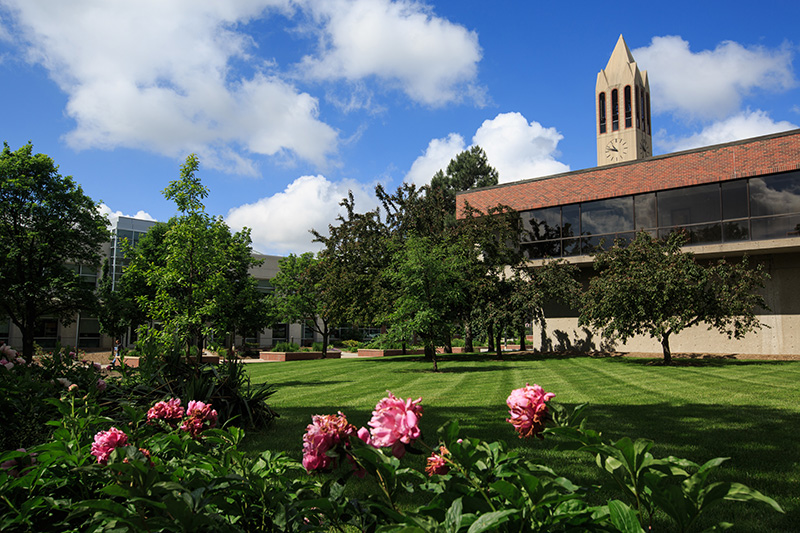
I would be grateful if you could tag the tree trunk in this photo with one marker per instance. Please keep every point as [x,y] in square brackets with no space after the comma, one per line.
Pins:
[468,347]
[665,348]
[430,354]
[325,334]
[522,339]
[490,335]
[498,345]
[448,344]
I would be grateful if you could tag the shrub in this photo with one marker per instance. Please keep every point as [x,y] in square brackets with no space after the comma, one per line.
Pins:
[286,347]
[350,344]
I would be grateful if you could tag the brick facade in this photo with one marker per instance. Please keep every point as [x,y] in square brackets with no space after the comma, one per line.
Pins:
[741,159]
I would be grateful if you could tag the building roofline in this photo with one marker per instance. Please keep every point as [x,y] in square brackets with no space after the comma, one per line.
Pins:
[661,157]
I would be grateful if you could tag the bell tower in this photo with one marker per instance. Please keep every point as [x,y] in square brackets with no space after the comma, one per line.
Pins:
[622,103]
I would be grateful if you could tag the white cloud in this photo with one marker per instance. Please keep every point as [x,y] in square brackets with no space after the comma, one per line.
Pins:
[436,157]
[740,126]
[518,149]
[712,83]
[158,76]
[113,216]
[432,60]
[281,224]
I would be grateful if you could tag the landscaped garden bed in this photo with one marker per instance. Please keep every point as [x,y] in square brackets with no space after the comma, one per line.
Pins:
[298,356]
[375,352]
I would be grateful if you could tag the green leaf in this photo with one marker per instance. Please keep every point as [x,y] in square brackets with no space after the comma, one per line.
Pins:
[491,521]
[624,517]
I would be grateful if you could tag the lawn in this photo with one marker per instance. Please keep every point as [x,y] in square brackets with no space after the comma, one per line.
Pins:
[745,410]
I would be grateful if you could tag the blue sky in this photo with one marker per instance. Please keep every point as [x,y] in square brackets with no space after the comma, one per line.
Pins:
[291,103]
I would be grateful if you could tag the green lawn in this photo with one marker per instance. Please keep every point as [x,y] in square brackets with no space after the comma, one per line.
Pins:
[746,410]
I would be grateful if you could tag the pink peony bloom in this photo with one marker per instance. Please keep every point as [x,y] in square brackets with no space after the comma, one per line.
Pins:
[199,416]
[105,442]
[395,423]
[324,434]
[436,463]
[72,388]
[528,410]
[170,411]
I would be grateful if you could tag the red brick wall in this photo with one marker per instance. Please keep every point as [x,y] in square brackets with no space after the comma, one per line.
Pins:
[741,159]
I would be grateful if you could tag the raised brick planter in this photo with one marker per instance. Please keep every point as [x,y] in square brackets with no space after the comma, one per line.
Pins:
[369,352]
[297,356]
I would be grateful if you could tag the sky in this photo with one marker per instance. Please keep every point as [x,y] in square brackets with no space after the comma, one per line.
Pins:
[290,104]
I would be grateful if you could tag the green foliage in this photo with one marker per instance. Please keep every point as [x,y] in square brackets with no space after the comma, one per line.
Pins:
[192,274]
[47,226]
[304,292]
[286,347]
[654,288]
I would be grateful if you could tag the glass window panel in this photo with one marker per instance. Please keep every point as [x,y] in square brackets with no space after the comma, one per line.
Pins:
[571,219]
[734,199]
[571,247]
[280,332]
[607,216]
[542,249]
[594,244]
[693,205]
[775,195]
[705,233]
[775,227]
[542,224]
[738,230]
[645,210]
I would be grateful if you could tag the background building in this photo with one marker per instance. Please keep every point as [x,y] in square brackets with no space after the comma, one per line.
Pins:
[730,199]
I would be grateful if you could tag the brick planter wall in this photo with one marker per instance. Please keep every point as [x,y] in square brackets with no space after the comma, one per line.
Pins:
[369,352]
[297,356]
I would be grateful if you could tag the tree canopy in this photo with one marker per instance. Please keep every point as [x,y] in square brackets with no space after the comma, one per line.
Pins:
[48,228]
[655,288]
[192,274]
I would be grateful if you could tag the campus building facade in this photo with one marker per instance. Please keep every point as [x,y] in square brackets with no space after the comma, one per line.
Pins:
[733,199]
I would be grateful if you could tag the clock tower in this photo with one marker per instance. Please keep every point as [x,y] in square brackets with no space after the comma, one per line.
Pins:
[622,105]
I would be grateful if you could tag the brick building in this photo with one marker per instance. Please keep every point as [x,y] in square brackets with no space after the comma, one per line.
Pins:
[731,199]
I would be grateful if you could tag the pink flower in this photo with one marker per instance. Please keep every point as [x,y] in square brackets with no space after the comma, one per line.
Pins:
[72,388]
[170,411]
[101,385]
[105,442]
[528,410]
[199,416]
[322,437]
[395,423]
[436,463]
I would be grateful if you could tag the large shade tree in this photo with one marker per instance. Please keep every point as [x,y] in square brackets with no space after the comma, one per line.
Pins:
[655,288]
[48,227]
[304,287]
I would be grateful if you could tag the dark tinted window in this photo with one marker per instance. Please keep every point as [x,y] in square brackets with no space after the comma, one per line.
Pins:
[775,195]
[571,220]
[607,216]
[542,224]
[734,199]
[645,210]
[694,205]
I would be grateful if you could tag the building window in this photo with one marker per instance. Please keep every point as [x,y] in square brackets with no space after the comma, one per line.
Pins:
[628,109]
[280,333]
[5,328]
[638,108]
[641,106]
[88,332]
[647,112]
[614,110]
[45,334]
[601,110]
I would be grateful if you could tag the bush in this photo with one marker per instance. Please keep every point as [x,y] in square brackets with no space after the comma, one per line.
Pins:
[175,472]
[457,342]
[286,347]
[350,345]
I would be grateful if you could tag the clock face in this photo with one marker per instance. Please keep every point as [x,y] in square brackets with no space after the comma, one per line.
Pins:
[643,147]
[616,150]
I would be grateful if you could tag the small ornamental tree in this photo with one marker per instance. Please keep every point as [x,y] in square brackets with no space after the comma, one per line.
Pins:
[655,288]
[47,227]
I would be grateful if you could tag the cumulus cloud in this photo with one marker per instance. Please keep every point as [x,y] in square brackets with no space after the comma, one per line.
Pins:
[113,216]
[281,224]
[401,43]
[158,76]
[436,157]
[711,84]
[518,149]
[740,126]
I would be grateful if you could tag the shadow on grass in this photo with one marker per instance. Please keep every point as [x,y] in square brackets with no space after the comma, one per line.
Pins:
[760,443]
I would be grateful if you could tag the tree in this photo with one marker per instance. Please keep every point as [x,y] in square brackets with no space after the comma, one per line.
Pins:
[302,291]
[47,227]
[468,170]
[429,277]
[192,272]
[655,288]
